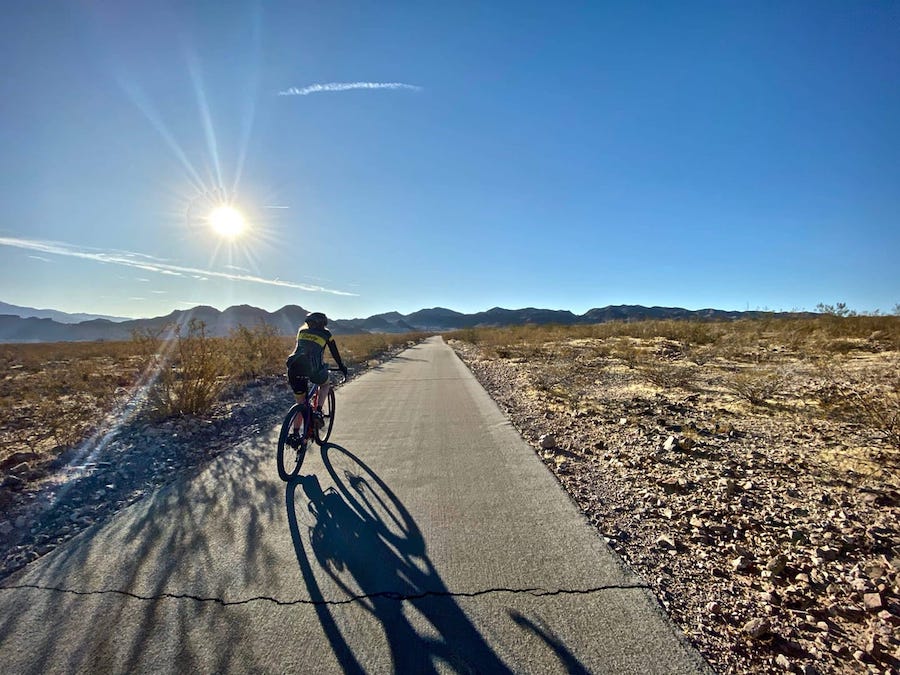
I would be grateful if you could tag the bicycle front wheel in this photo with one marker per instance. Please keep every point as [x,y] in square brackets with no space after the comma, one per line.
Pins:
[323,432]
[291,444]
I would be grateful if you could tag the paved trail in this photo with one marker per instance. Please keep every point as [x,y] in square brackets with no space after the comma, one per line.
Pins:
[427,538]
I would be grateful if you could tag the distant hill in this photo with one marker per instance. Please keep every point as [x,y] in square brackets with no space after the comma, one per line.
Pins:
[16,328]
[56,315]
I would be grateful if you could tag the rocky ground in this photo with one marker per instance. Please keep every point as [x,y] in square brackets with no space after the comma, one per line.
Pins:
[773,540]
[128,458]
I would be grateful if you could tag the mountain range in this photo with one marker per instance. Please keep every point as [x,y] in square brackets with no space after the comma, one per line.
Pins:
[23,324]
[56,315]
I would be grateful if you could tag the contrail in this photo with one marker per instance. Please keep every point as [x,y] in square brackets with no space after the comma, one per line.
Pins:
[149,264]
[346,86]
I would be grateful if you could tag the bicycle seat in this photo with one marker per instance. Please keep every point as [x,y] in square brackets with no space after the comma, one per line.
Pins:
[300,384]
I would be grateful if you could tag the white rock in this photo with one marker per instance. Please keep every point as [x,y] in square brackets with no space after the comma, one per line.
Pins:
[756,628]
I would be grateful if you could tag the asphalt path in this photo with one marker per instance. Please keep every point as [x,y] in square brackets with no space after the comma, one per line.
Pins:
[427,537]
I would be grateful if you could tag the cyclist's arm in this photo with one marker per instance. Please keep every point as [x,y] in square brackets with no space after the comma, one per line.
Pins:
[332,347]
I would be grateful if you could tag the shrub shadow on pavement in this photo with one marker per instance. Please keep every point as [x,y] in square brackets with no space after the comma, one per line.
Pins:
[152,573]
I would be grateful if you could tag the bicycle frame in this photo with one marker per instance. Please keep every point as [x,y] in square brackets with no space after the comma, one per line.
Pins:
[303,415]
[309,403]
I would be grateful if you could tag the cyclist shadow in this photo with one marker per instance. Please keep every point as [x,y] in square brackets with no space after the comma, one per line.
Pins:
[366,541]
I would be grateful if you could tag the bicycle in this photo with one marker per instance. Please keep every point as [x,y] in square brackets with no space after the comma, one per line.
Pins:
[312,426]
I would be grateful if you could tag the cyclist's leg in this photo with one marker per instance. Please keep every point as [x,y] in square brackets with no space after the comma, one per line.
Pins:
[298,374]
[324,381]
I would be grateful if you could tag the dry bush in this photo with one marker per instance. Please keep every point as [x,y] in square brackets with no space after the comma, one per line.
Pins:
[470,335]
[629,352]
[870,397]
[701,355]
[186,371]
[757,385]
[667,374]
[255,352]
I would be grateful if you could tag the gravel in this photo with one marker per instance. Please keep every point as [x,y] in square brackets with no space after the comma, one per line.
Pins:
[113,469]
[767,557]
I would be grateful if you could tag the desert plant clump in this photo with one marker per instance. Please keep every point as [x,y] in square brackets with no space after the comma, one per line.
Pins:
[255,352]
[186,373]
[668,374]
[870,397]
[629,351]
[756,385]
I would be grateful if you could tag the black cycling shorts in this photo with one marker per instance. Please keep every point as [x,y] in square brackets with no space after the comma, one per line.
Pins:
[300,366]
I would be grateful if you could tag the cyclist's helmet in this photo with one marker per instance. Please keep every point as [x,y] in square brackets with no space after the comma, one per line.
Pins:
[317,320]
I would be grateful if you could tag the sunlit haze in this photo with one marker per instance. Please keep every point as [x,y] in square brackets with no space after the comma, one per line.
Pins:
[362,158]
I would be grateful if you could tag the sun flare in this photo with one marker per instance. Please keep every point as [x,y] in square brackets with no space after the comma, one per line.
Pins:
[227,221]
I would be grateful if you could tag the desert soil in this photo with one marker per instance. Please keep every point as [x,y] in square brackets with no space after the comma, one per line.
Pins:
[770,536]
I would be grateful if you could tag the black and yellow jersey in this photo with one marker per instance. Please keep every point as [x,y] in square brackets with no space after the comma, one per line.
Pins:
[311,343]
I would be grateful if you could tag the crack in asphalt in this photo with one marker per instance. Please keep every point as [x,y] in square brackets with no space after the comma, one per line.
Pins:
[388,595]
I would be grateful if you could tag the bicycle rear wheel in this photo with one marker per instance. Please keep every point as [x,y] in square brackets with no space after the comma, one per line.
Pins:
[324,432]
[291,446]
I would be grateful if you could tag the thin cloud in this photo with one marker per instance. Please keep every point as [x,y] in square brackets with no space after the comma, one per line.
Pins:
[346,86]
[148,264]
[37,257]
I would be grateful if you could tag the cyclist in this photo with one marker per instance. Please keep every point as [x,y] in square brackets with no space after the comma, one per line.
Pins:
[306,361]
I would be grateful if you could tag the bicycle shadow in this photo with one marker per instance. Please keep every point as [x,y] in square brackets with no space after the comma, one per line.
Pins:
[367,543]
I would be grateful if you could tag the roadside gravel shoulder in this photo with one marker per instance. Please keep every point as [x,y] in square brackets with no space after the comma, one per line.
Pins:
[768,558]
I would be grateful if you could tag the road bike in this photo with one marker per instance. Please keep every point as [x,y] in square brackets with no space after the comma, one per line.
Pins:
[304,424]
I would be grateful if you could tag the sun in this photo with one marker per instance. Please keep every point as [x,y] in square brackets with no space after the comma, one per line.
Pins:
[227,221]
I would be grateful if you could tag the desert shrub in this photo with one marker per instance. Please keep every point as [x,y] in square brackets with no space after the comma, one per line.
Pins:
[254,352]
[629,352]
[185,372]
[701,355]
[842,345]
[870,397]
[667,374]
[757,385]
[469,335]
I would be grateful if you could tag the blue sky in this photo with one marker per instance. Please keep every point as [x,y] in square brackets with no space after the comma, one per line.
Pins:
[395,156]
